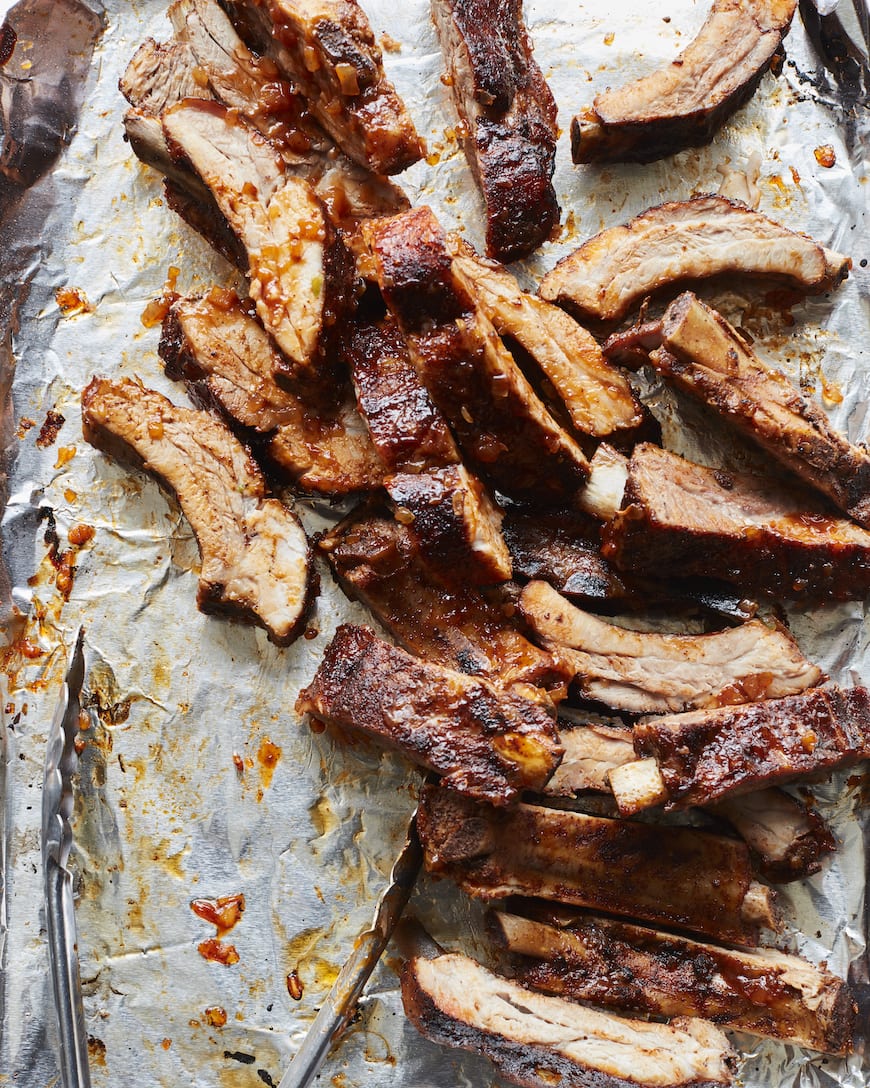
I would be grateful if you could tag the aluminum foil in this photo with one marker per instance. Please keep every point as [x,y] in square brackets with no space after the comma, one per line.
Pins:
[197,779]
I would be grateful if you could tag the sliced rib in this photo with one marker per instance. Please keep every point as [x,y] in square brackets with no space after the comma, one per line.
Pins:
[599,399]
[591,753]
[644,672]
[255,556]
[330,53]
[685,104]
[253,85]
[508,116]
[706,357]
[407,429]
[498,420]
[680,519]
[634,969]
[603,494]
[228,361]
[675,876]
[685,240]
[706,755]
[788,838]
[455,523]
[300,273]
[485,743]
[540,1041]
[376,561]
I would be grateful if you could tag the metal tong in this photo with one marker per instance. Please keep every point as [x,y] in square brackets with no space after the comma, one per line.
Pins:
[340,1003]
[61,761]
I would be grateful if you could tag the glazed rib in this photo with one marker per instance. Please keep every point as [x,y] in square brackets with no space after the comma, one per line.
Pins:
[634,969]
[500,423]
[255,557]
[684,520]
[648,673]
[684,104]
[329,51]
[597,396]
[300,273]
[376,561]
[539,1041]
[509,119]
[685,240]
[485,743]
[706,357]
[228,361]
[674,876]
[707,755]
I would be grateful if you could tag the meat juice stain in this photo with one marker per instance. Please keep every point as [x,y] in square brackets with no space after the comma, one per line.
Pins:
[216,951]
[268,755]
[222,913]
[215,1016]
[72,301]
[825,156]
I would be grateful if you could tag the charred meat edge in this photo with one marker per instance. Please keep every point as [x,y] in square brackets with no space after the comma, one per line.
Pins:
[330,52]
[255,556]
[685,240]
[456,524]
[634,969]
[485,743]
[674,876]
[644,672]
[376,561]
[706,755]
[540,1041]
[706,357]
[498,420]
[598,397]
[788,838]
[227,361]
[509,119]
[685,104]
[300,274]
[684,520]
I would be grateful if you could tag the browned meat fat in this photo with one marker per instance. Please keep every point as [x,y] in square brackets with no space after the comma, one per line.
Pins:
[255,557]
[509,118]
[485,743]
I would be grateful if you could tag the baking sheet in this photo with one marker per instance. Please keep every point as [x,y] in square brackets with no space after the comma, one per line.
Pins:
[177,700]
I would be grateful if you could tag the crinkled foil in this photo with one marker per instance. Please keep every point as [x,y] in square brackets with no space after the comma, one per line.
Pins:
[197,779]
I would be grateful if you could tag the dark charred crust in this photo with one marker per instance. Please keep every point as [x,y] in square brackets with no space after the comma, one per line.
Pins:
[204,216]
[487,744]
[673,876]
[703,756]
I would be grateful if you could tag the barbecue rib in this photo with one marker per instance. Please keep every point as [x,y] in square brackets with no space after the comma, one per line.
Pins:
[407,429]
[486,743]
[255,557]
[599,399]
[685,520]
[591,753]
[634,969]
[498,420]
[541,1042]
[649,673]
[788,838]
[563,548]
[227,361]
[328,50]
[675,876]
[704,356]
[509,119]
[705,755]
[685,104]
[375,561]
[456,525]
[300,274]
[685,240]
